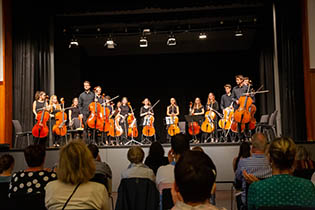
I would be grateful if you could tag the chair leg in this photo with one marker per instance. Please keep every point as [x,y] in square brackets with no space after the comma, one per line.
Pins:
[15,140]
[28,139]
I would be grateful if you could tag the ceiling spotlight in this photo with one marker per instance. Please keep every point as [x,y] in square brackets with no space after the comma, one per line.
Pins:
[73,43]
[110,44]
[143,42]
[171,40]
[202,36]
[146,31]
[238,32]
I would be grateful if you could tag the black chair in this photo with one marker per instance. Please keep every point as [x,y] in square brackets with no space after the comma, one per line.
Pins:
[100,178]
[18,132]
[34,202]
[4,199]
[304,173]
[137,194]
[167,201]
[269,129]
[286,208]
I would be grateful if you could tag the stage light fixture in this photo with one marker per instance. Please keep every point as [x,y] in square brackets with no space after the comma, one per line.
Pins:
[143,42]
[238,32]
[73,43]
[171,41]
[202,36]
[110,44]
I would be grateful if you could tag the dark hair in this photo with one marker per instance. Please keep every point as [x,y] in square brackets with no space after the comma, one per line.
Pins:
[94,150]
[34,155]
[156,151]
[194,176]
[6,162]
[179,144]
[282,153]
[244,152]
[241,77]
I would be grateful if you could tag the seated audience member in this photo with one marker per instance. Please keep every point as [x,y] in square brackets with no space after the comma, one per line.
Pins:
[156,157]
[137,169]
[165,174]
[304,166]
[100,167]
[212,198]
[6,167]
[76,167]
[282,189]
[194,179]
[257,164]
[31,181]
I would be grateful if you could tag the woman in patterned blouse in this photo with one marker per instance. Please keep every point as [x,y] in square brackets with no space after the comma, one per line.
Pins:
[282,189]
[31,181]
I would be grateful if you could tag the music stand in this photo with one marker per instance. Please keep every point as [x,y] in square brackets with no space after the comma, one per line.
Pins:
[193,118]
[132,140]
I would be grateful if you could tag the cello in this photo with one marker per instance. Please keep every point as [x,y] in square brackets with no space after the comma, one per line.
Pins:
[148,129]
[40,129]
[226,122]
[132,124]
[194,127]
[242,114]
[208,126]
[173,129]
[94,121]
[60,127]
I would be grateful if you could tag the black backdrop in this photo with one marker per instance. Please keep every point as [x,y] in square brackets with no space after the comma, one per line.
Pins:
[160,76]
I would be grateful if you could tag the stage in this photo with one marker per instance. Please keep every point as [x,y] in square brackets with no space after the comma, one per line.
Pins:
[116,156]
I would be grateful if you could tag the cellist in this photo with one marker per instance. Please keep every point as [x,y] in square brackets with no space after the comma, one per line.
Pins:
[54,107]
[85,99]
[40,102]
[212,104]
[172,111]
[226,99]
[145,111]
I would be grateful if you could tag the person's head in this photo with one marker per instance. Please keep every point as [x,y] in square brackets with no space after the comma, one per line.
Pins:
[197,148]
[156,150]
[42,95]
[146,102]
[98,90]
[259,143]
[6,163]
[76,163]
[179,145]
[35,155]
[53,100]
[135,154]
[282,153]
[302,153]
[124,100]
[173,101]
[118,104]
[239,79]
[86,85]
[75,101]
[244,150]
[194,177]
[94,150]
[227,88]
[211,97]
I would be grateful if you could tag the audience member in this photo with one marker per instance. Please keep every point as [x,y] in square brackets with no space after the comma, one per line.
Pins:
[136,168]
[31,181]
[244,152]
[257,164]
[282,189]
[212,198]
[194,179]
[304,166]
[156,157]
[6,167]
[165,174]
[73,190]
[100,167]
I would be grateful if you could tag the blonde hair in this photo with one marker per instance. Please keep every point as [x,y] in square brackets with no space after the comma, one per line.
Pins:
[135,154]
[282,152]
[76,163]
[51,103]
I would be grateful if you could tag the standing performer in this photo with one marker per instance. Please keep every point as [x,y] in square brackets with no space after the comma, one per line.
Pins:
[54,107]
[237,92]
[124,112]
[226,99]
[75,121]
[85,99]
[98,94]
[40,102]
[145,116]
[212,104]
[172,111]
[196,109]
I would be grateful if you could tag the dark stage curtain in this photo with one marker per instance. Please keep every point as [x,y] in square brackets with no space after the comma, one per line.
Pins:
[288,14]
[31,59]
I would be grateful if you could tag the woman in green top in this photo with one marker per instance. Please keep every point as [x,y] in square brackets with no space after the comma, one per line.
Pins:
[282,189]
